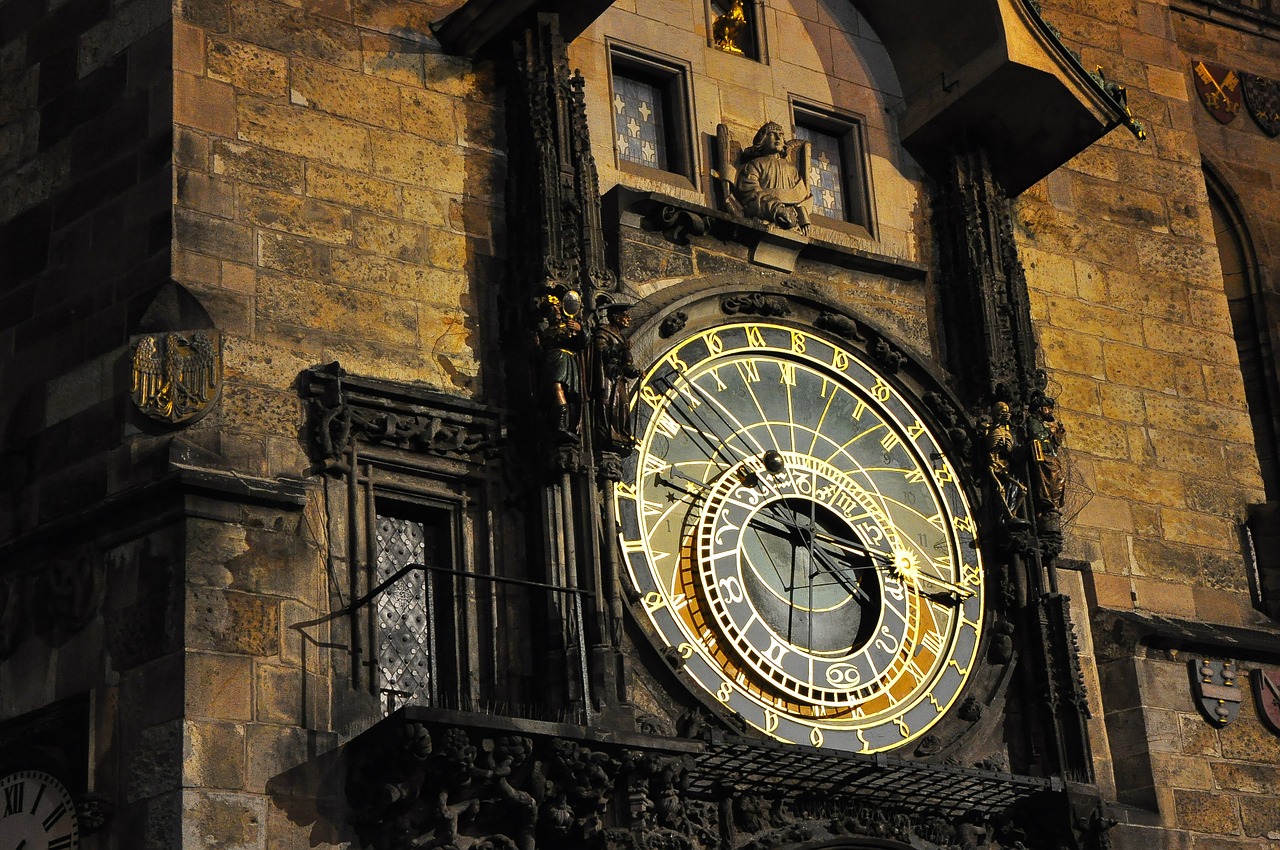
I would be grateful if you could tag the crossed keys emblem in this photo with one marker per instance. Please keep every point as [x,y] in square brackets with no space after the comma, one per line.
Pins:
[1219,90]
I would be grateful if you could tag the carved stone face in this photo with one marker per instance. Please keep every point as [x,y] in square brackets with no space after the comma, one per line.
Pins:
[770,138]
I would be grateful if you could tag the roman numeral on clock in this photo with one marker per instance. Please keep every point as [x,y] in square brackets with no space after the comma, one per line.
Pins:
[54,816]
[13,798]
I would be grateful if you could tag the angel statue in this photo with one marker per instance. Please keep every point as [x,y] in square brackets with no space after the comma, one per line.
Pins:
[772,183]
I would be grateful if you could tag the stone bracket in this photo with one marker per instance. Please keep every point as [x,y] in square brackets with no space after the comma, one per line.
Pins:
[346,407]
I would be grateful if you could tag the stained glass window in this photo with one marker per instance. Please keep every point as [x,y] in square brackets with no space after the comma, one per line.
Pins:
[639,120]
[826,172]
[402,636]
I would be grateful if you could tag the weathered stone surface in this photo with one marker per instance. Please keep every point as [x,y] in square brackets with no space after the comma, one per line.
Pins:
[299,216]
[278,694]
[1261,815]
[248,67]
[303,132]
[226,621]
[353,190]
[223,820]
[218,687]
[1201,811]
[350,94]
[260,166]
[213,755]
[204,104]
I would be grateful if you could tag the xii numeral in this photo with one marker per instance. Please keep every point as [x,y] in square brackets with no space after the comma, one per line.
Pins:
[13,799]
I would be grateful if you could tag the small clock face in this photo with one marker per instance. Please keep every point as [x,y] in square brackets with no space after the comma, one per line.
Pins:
[36,813]
[798,537]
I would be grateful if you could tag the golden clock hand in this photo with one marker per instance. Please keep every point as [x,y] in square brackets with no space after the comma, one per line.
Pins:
[958,590]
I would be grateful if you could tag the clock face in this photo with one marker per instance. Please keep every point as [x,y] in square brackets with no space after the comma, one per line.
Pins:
[797,535]
[36,813]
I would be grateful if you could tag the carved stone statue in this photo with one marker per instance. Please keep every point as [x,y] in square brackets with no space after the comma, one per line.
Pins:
[1046,436]
[613,373]
[998,440]
[560,336]
[772,183]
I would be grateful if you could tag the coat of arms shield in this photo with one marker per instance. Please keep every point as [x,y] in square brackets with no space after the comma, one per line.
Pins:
[177,375]
[1216,687]
[1219,90]
[1262,96]
[1266,693]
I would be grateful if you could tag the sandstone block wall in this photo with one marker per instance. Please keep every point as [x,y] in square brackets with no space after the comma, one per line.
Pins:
[1133,320]
[85,184]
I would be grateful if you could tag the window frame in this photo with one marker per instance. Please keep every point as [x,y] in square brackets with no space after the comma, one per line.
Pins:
[673,77]
[855,162]
[444,517]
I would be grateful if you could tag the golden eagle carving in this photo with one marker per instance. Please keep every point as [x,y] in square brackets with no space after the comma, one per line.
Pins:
[177,375]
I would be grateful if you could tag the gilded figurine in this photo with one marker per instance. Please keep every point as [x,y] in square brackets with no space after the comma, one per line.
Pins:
[997,436]
[613,373]
[730,31]
[561,338]
[772,183]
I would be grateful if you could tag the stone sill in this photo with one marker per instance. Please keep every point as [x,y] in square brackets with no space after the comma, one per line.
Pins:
[679,220]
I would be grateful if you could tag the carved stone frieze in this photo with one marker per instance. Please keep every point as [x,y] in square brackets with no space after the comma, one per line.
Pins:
[755,304]
[425,783]
[345,408]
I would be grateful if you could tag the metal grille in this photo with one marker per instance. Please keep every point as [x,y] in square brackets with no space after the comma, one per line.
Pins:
[766,766]
[826,172]
[638,120]
[401,613]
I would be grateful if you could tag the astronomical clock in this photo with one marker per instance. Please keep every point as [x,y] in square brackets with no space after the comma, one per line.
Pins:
[796,529]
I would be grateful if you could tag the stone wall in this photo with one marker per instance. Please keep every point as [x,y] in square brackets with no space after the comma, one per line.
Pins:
[334,173]
[339,187]
[85,184]
[1133,321]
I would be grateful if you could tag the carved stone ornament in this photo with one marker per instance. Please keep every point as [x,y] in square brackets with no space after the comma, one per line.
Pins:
[1266,695]
[1219,90]
[768,181]
[755,304]
[177,375]
[69,592]
[345,407]
[414,782]
[10,614]
[1216,687]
